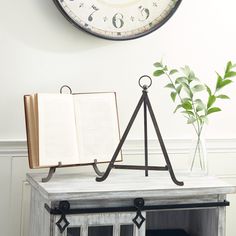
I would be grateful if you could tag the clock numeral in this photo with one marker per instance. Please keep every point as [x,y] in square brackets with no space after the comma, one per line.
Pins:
[144,12]
[155,4]
[90,18]
[117,20]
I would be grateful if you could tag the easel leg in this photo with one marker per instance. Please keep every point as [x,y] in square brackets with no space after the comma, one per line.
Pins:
[143,100]
[110,166]
[145,135]
[162,143]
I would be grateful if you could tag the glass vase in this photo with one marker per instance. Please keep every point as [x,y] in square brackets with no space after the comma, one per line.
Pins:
[198,157]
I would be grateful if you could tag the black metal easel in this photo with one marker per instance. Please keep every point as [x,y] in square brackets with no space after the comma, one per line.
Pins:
[146,106]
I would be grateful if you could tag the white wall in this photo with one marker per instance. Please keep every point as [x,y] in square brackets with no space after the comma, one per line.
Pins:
[40,51]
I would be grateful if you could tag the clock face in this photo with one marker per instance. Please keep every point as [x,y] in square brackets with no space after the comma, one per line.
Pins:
[118,19]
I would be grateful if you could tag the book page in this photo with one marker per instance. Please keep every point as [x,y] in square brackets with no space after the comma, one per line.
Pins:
[97,126]
[57,132]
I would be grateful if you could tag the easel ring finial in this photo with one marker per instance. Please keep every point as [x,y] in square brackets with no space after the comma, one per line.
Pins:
[65,86]
[145,82]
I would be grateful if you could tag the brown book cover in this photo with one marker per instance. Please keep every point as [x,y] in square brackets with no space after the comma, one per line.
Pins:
[32,133]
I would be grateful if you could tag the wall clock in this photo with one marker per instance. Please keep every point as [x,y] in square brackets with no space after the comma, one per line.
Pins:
[118,19]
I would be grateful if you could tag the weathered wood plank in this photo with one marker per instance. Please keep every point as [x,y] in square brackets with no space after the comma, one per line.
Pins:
[120,190]
[40,219]
[126,185]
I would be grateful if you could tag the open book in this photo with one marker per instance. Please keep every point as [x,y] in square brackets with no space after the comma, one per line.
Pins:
[71,129]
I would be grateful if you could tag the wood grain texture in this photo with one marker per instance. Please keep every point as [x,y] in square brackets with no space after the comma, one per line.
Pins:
[82,203]
[204,222]
[176,219]
[40,219]
[127,185]
[120,190]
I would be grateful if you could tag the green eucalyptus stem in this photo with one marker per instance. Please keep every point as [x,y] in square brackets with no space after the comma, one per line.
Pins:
[197,149]
[180,98]
[197,117]
[187,87]
[199,152]
[195,153]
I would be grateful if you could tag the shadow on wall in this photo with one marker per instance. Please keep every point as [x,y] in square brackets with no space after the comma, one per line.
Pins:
[39,24]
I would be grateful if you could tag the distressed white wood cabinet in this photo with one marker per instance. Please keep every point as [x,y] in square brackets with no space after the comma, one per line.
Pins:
[107,208]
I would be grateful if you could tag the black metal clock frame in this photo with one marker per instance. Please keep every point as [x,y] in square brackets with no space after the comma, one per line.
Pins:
[84,28]
[144,100]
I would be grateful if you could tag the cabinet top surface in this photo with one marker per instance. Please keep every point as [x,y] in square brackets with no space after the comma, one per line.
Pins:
[126,184]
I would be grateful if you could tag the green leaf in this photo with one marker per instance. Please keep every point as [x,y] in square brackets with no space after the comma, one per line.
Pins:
[185,85]
[173,96]
[181,80]
[170,85]
[199,102]
[230,74]
[222,96]
[208,90]
[225,82]
[186,70]
[158,72]
[178,89]
[195,78]
[198,88]
[203,119]
[188,112]
[200,105]
[211,100]
[158,64]
[165,68]
[191,76]
[177,108]
[199,108]
[187,105]
[219,81]
[187,89]
[191,120]
[186,100]
[213,109]
[228,67]
[173,72]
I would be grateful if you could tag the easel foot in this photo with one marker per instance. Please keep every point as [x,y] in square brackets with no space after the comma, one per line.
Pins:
[179,183]
[95,167]
[50,174]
